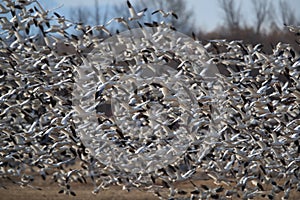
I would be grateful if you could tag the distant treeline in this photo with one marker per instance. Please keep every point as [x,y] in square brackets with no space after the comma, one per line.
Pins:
[248,35]
[267,27]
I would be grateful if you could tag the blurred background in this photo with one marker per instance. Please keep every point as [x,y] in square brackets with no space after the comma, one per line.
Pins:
[253,21]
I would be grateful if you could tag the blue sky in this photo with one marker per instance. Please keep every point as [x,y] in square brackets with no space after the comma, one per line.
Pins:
[208,14]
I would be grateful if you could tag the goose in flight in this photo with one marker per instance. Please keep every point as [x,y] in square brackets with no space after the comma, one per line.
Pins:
[165,14]
[133,14]
[119,20]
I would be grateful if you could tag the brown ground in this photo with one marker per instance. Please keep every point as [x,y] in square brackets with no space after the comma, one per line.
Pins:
[84,191]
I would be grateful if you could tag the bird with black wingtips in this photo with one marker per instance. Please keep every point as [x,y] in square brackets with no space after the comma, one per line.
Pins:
[133,14]
[165,14]
[120,20]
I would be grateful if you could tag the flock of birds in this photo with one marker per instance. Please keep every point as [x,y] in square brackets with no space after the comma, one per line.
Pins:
[147,108]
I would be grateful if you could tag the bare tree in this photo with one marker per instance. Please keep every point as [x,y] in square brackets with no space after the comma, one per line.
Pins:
[232,13]
[82,14]
[287,13]
[184,22]
[97,14]
[261,11]
[101,14]
[79,15]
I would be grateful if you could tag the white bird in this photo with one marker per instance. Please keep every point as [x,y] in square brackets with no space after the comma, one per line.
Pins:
[119,20]
[133,14]
[99,28]
[165,14]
